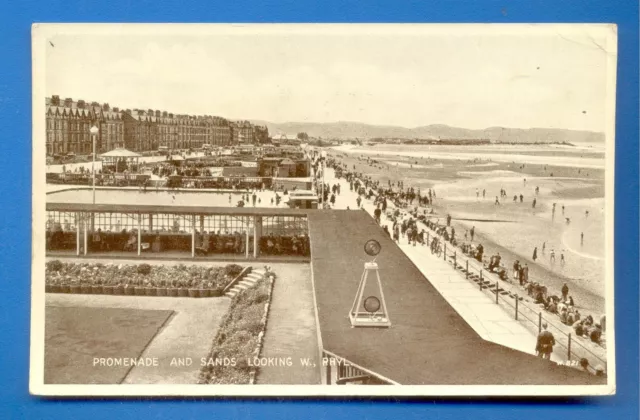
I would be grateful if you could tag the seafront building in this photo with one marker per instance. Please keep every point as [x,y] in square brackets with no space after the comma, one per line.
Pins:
[69,121]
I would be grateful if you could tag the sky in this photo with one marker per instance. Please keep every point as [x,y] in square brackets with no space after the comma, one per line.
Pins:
[472,79]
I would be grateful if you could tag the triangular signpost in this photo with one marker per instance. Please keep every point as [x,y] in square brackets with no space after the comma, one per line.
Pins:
[369,307]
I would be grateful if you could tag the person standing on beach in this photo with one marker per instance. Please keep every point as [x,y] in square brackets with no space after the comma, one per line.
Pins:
[534,203]
[562,258]
[535,254]
[477,194]
[472,232]
[484,192]
[521,198]
[581,238]
[497,203]
[563,209]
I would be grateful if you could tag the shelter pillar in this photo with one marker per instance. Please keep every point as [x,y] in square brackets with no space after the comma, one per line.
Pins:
[257,234]
[139,231]
[193,236]
[77,233]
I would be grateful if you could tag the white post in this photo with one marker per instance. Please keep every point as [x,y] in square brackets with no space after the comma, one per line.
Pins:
[84,222]
[193,236]
[139,231]
[255,237]
[246,242]
[77,233]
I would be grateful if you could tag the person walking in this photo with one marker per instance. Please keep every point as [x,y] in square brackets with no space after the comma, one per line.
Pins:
[472,232]
[552,256]
[535,254]
[565,292]
[545,343]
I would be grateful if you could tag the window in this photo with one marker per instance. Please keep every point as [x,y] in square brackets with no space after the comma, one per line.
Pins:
[284,225]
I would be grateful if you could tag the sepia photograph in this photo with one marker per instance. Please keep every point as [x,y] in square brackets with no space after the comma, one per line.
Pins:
[286,209]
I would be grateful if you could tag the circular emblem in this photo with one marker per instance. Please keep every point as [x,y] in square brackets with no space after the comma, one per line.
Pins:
[371,304]
[372,247]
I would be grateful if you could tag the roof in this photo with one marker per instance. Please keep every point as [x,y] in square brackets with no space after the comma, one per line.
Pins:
[428,343]
[120,152]
[287,161]
[145,208]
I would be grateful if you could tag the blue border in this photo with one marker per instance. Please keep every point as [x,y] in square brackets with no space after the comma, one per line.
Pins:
[15,155]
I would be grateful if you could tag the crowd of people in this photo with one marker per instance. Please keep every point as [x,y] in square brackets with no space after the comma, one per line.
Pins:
[410,199]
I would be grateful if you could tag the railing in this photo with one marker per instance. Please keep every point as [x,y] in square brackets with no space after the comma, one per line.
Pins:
[339,371]
[530,317]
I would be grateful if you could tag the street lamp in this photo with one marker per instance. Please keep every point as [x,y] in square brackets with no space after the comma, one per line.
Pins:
[94,134]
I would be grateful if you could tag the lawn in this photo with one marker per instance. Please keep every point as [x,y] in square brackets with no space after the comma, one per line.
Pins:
[75,335]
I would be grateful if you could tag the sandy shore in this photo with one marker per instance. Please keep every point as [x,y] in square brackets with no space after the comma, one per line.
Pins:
[459,185]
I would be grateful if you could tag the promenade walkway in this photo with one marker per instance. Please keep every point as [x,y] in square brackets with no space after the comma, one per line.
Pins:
[479,310]
[291,330]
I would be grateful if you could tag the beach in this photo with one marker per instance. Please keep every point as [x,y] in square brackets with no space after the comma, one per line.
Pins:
[574,179]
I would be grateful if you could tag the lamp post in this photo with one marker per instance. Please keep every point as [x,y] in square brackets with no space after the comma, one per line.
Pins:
[94,134]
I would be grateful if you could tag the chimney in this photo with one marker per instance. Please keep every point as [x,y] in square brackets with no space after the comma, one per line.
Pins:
[158,114]
[68,102]
[55,100]
[105,107]
[115,108]
[165,114]
[80,104]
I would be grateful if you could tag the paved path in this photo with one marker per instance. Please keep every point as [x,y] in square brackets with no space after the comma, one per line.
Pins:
[489,320]
[291,329]
[189,333]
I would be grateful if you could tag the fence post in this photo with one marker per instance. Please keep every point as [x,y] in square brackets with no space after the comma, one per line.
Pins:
[539,322]
[569,348]
[466,273]
[455,260]
[497,294]
[517,307]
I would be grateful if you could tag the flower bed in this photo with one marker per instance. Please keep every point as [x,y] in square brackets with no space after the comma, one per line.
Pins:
[240,336]
[139,279]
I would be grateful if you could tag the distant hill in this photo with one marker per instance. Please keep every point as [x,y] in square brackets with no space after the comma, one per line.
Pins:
[351,130]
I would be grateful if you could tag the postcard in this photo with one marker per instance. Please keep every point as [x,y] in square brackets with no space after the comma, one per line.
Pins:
[288,209]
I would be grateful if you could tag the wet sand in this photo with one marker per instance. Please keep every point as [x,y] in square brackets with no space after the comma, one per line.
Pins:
[515,229]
